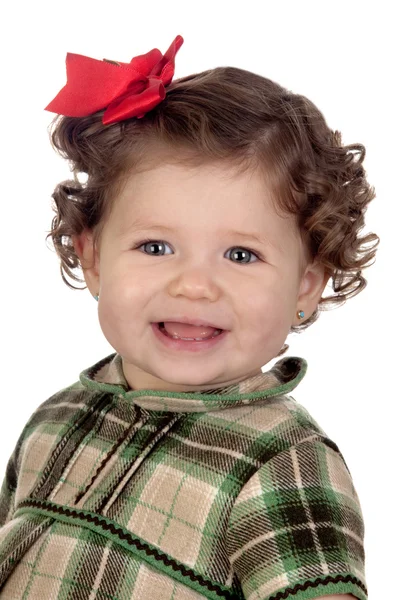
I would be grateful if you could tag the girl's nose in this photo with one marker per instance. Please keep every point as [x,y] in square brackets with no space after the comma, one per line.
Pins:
[195,284]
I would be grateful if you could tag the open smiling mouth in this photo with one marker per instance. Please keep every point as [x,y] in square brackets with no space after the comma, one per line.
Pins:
[197,339]
[175,342]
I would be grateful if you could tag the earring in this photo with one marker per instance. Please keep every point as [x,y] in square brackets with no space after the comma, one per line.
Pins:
[96,297]
[300,314]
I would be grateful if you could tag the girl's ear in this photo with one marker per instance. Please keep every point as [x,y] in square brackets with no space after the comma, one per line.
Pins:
[311,288]
[89,259]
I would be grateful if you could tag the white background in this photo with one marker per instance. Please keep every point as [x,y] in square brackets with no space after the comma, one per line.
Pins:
[338,55]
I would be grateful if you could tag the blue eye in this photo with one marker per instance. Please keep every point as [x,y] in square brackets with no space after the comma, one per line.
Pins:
[151,243]
[241,251]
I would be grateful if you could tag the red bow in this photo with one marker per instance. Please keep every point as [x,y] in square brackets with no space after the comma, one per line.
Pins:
[125,89]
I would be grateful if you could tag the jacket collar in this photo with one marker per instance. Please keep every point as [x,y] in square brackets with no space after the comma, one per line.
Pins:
[107,376]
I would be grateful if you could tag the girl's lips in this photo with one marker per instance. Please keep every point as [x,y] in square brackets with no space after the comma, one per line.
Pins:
[191,346]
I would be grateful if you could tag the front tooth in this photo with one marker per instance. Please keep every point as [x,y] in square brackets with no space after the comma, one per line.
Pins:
[176,337]
[190,339]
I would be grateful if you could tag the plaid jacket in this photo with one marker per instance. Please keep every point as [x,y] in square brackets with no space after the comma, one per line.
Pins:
[121,494]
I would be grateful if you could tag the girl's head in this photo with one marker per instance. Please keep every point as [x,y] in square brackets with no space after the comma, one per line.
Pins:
[152,213]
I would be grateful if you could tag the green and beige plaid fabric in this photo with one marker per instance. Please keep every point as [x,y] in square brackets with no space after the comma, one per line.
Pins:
[121,494]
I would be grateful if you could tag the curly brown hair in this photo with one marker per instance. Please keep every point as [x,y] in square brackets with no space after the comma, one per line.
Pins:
[233,115]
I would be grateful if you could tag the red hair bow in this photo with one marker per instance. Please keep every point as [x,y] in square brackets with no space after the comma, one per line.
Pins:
[125,89]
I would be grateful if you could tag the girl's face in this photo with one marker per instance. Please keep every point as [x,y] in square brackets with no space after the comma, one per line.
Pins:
[198,268]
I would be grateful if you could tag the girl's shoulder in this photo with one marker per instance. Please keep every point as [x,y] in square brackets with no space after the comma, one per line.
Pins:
[64,406]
